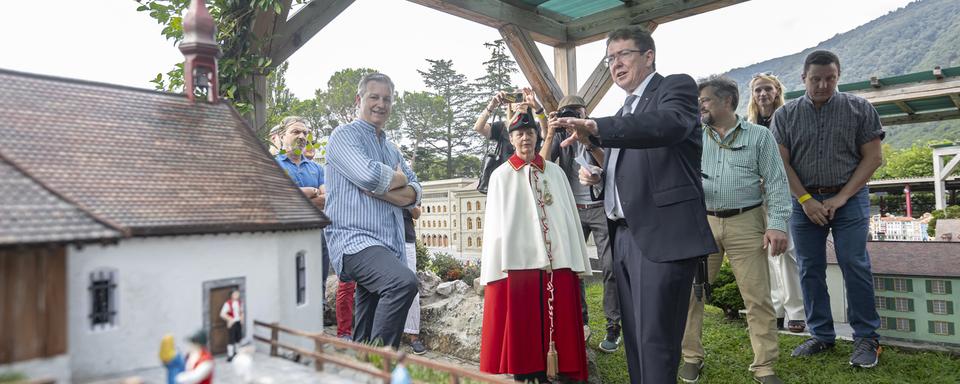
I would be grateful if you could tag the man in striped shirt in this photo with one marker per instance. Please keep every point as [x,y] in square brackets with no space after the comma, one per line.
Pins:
[368,183]
[737,157]
[830,144]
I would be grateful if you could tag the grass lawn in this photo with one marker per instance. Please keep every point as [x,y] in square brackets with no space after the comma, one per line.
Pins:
[729,355]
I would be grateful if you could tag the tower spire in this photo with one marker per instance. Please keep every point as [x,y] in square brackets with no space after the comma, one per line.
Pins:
[200,51]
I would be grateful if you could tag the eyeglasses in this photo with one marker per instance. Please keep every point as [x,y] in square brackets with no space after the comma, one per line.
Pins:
[608,60]
[768,74]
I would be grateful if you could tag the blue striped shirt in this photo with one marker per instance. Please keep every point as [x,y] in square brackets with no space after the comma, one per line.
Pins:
[358,161]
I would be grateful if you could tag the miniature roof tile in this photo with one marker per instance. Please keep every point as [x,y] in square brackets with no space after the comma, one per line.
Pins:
[910,258]
[153,163]
[30,213]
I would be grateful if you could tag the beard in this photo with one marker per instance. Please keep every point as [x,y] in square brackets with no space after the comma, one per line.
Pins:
[706,118]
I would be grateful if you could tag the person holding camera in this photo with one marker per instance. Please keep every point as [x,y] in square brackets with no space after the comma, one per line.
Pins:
[519,102]
[592,217]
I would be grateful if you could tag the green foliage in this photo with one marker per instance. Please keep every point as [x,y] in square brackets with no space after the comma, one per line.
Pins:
[12,377]
[498,68]
[950,212]
[470,272]
[339,99]
[915,161]
[280,101]
[455,135]
[423,257]
[726,294]
[446,267]
[241,59]
[915,38]
[729,355]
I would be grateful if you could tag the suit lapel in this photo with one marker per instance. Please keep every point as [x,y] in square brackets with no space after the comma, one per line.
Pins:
[645,98]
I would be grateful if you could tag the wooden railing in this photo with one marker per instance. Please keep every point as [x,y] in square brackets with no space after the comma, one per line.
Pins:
[389,357]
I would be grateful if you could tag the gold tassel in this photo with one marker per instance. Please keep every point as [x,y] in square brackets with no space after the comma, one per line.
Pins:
[553,363]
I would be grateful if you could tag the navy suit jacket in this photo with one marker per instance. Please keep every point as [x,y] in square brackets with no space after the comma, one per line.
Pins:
[658,170]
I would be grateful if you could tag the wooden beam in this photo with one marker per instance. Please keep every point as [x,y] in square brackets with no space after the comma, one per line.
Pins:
[920,117]
[565,67]
[309,20]
[595,27]
[911,91]
[497,14]
[904,107]
[600,80]
[266,23]
[533,66]
[955,99]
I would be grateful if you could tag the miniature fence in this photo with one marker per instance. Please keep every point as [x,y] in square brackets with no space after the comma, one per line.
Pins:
[389,357]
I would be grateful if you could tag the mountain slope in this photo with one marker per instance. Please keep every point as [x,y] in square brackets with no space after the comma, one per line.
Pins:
[914,38]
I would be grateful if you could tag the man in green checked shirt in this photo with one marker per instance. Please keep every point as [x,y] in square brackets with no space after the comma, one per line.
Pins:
[739,156]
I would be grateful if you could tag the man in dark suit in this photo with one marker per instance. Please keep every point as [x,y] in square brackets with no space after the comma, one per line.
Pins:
[653,197]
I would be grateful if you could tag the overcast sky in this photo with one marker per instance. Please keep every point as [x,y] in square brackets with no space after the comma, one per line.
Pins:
[108,41]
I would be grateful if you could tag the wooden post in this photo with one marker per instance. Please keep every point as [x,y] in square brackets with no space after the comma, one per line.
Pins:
[274,338]
[318,348]
[565,67]
[532,65]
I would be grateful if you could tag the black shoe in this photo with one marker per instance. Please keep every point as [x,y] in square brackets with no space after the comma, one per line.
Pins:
[611,343]
[780,323]
[811,347]
[866,353]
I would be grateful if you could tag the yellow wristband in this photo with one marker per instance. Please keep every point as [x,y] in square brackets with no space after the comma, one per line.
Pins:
[541,116]
[803,198]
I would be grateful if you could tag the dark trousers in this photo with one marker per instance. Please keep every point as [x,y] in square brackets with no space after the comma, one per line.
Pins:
[594,220]
[235,333]
[653,302]
[385,290]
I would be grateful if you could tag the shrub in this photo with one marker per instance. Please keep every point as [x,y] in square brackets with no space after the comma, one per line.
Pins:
[726,294]
[446,266]
[423,257]
[470,272]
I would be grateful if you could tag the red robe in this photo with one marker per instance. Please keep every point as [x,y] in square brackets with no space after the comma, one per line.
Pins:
[514,338]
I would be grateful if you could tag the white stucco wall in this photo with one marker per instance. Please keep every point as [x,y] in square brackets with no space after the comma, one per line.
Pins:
[160,291]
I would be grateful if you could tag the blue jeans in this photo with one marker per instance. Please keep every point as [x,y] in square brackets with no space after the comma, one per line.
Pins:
[850,226]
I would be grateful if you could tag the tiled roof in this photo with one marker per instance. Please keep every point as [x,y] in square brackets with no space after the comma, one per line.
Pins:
[911,258]
[29,213]
[152,163]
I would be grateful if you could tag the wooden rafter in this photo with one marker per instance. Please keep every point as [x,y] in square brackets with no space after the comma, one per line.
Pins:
[600,80]
[904,107]
[497,14]
[594,27]
[295,32]
[955,98]
[533,66]
[909,92]
[565,67]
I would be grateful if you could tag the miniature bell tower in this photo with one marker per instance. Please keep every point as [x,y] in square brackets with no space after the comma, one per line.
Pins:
[200,50]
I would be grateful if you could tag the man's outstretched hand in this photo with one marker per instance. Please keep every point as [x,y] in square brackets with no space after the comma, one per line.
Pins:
[579,129]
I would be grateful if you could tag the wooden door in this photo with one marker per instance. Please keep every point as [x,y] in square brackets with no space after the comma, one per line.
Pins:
[218,328]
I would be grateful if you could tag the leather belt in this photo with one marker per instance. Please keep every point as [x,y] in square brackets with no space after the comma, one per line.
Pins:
[731,212]
[591,205]
[824,190]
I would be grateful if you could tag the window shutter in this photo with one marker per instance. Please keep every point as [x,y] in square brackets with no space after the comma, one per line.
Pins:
[888,284]
[949,307]
[949,286]
[929,306]
[950,329]
[891,304]
[909,285]
[910,305]
[913,325]
[930,327]
[929,286]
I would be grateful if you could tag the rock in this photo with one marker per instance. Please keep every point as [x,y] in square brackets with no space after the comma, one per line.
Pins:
[451,325]
[330,291]
[428,283]
[477,288]
[448,288]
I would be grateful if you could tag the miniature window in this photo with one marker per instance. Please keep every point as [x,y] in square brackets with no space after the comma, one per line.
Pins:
[878,283]
[469,241]
[477,204]
[939,307]
[880,301]
[884,322]
[301,263]
[901,285]
[938,287]
[903,325]
[103,297]
[469,223]
[469,206]
[903,304]
[942,328]
[478,224]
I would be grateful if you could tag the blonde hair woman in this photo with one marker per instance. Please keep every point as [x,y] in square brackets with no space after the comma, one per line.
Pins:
[766,95]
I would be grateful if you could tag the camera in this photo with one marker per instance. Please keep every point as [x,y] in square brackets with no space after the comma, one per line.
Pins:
[569,112]
[513,97]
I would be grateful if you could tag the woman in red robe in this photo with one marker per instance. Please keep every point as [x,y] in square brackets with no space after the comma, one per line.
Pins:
[533,252]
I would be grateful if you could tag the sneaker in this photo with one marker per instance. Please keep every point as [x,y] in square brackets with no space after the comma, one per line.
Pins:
[612,341]
[796,326]
[866,353]
[418,348]
[811,347]
[586,333]
[769,379]
[690,372]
